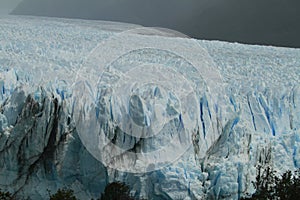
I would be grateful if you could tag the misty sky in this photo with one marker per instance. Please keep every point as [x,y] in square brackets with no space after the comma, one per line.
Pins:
[7,6]
[273,22]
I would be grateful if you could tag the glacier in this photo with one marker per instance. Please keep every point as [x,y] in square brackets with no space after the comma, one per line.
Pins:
[85,103]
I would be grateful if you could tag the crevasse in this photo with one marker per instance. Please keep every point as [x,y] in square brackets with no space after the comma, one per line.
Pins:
[84,103]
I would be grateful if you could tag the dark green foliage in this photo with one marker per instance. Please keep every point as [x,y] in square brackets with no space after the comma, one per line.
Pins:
[113,191]
[6,196]
[288,186]
[116,191]
[269,186]
[63,194]
[265,184]
[283,185]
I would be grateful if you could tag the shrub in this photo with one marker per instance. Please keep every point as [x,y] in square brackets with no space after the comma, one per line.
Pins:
[6,196]
[116,191]
[270,186]
[63,194]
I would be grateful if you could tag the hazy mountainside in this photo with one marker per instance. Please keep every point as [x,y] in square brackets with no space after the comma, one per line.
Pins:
[272,22]
[85,103]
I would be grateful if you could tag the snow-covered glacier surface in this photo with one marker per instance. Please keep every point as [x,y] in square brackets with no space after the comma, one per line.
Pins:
[85,103]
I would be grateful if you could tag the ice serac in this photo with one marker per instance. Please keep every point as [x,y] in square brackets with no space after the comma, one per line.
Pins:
[85,103]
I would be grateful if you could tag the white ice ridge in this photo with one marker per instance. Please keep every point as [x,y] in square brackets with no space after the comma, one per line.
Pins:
[180,70]
[140,83]
[198,116]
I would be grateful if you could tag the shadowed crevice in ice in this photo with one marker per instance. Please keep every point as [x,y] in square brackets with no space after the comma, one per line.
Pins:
[210,111]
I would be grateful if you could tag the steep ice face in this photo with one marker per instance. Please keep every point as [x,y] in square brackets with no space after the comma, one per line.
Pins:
[84,103]
[265,131]
[141,90]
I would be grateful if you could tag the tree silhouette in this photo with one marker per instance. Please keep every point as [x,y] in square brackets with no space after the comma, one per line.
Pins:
[6,196]
[269,186]
[116,191]
[63,194]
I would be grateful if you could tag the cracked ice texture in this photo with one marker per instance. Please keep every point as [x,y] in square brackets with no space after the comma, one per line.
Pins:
[252,119]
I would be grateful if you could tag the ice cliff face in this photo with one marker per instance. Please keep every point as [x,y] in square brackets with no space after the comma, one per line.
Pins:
[85,103]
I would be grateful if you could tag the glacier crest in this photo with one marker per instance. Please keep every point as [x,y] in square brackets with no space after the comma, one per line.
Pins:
[196,117]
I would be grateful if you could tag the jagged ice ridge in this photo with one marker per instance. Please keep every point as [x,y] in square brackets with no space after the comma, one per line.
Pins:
[211,111]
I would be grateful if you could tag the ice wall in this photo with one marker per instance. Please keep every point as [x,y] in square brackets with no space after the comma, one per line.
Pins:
[84,103]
